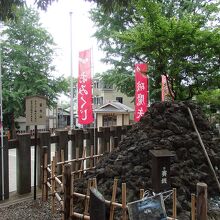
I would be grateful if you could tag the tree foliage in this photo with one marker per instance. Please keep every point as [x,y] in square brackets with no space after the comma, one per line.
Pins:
[106,4]
[7,6]
[27,55]
[179,39]
[210,98]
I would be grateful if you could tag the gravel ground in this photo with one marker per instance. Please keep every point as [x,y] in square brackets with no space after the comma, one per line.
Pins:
[29,209]
[35,210]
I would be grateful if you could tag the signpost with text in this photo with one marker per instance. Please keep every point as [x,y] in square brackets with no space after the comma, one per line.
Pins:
[35,115]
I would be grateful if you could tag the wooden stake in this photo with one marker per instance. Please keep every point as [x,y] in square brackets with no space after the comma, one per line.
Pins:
[44,186]
[62,160]
[91,161]
[82,162]
[112,208]
[77,162]
[174,203]
[204,149]
[201,201]
[193,207]
[141,193]
[71,195]
[86,211]
[53,184]
[124,208]
[94,183]
[67,191]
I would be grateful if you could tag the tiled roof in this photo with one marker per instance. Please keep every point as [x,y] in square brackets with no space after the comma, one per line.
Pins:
[114,106]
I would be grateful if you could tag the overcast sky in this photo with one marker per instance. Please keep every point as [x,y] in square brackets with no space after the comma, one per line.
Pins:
[57,21]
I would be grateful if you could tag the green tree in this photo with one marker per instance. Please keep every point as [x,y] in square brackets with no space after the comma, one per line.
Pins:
[27,55]
[179,39]
[210,102]
[7,6]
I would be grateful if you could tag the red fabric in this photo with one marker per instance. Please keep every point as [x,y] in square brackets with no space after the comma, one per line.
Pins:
[85,113]
[141,91]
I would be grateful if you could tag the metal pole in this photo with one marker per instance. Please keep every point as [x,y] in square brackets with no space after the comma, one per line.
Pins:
[35,162]
[71,74]
[1,124]
[148,91]
[92,68]
[94,134]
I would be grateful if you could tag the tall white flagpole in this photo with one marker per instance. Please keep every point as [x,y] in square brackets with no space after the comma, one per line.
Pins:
[92,68]
[71,74]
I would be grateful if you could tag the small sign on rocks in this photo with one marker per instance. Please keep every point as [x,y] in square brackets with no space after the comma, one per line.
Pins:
[148,208]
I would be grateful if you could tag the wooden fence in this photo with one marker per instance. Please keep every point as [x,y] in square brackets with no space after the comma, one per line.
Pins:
[61,188]
[102,140]
[58,183]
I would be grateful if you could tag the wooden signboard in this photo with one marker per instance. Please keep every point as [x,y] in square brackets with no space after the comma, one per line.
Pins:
[35,115]
[148,208]
[36,110]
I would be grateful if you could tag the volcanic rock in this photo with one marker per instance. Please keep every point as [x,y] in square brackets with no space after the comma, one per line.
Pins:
[166,125]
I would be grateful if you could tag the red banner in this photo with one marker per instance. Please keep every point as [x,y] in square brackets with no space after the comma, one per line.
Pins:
[85,113]
[141,91]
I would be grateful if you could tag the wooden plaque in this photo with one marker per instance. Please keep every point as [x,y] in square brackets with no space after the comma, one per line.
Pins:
[36,110]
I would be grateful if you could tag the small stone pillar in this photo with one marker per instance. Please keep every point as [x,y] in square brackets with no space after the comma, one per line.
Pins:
[161,169]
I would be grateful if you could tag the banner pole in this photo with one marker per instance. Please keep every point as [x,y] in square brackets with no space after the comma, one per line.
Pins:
[35,162]
[92,73]
[71,74]
[148,81]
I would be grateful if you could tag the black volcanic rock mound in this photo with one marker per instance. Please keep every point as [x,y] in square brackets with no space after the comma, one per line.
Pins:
[165,126]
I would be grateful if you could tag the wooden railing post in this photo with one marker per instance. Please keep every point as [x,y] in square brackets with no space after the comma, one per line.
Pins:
[44,175]
[112,135]
[107,139]
[62,144]
[87,144]
[119,132]
[73,147]
[94,139]
[201,201]
[23,163]
[115,143]
[124,202]
[78,145]
[44,147]
[67,191]
[101,140]
[174,203]
[80,141]
[6,170]
[193,208]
